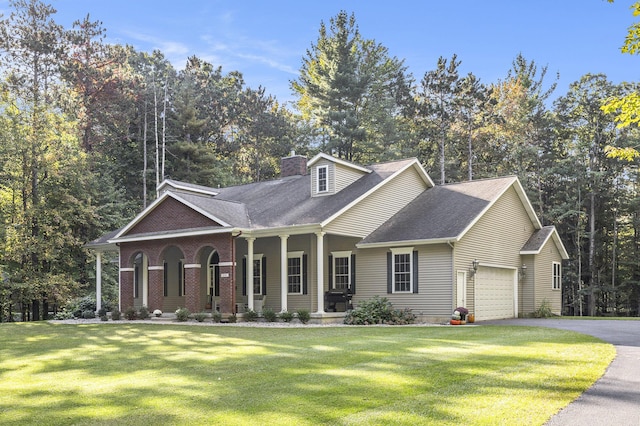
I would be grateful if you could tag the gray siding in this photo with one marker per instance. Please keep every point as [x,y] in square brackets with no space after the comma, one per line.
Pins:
[345,176]
[435,294]
[331,172]
[544,278]
[363,218]
[494,240]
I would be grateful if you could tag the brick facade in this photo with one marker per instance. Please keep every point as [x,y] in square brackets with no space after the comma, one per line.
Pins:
[191,248]
[293,165]
[171,215]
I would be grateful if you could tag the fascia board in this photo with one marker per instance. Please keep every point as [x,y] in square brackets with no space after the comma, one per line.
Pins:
[369,192]
[178,186]
[406,243]
[327,157]
[193,233]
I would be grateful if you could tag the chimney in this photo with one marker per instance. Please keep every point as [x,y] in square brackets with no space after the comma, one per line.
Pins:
[293,165]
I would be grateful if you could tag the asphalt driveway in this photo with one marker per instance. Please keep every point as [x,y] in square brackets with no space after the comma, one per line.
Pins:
[615,398]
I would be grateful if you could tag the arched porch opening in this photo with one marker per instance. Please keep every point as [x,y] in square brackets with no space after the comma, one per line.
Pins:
[210,278]
[170,289]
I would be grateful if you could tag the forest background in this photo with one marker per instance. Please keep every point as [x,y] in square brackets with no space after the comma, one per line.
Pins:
[88,130]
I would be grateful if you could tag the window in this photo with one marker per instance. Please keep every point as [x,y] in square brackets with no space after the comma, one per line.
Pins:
[402,270]
[341,270]
[136,281]
[166,279]
[557,276]
[181,286]
[294,272]
[323,178]
[257,274]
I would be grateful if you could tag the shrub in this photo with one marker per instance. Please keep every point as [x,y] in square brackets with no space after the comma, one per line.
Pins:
[64,315]
[544,310]
[200,316]
[104,318]
[102,312]
[182,314]
[378,310]
[250,315]
[143,313]
[269,315]
[303,315]
[130,313]
[79,305]
[115,315]
[88,314]
[286,316]
[233,318]
[216,316]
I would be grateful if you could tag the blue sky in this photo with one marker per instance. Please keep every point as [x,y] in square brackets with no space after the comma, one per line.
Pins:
[266,40]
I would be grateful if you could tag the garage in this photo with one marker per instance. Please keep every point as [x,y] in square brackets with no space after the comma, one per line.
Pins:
[495,293]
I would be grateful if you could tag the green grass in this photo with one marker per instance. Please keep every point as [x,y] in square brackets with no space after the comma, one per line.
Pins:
[146,374]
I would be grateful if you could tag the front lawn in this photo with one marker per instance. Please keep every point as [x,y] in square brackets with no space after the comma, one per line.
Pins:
[129,374]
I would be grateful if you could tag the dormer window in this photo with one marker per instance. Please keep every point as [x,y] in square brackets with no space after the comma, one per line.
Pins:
[323,178]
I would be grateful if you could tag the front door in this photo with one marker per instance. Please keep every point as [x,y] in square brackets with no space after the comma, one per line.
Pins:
[461,289]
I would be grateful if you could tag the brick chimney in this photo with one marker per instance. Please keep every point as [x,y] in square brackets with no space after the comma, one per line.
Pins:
[293,165]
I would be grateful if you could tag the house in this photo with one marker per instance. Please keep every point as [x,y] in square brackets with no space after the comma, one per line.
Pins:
[329,226]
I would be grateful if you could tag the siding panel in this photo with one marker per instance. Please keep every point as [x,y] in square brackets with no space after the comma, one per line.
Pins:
[378,207]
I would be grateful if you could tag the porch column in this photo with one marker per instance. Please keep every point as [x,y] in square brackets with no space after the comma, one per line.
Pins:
[153,286]
[249,277]
[284,275]
[126,288]
[145,281]
[320,266]
[192,287]
[98,281]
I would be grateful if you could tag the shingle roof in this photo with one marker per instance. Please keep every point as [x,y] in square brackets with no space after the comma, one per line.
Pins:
[537,240]
[442,212]
[288,201]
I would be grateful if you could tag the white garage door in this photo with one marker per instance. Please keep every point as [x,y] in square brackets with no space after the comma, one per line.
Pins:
[494,293]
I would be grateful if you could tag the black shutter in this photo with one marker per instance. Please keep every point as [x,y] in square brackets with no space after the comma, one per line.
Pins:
[264,275]
[330,265]
[244,276]
[216,270]
[389,272]
[304,274]
[353,273]
[415,271]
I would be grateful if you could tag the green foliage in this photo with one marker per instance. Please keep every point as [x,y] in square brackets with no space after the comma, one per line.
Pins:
[104,318]
[200,316]
[233,318]
[269,315]
[102,312]
[143,313]
[216,316]
[544,310]
[79,305]
[286,316]
[303,315]
[352,90]
[182,314]
[88,314]
[130,313]
[251,315]
[64,314]
[115,314]
[378,310]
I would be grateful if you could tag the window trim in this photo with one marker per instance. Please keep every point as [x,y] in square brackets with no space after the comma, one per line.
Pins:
[165,279]
[324,167]
[556,279]
[295,255]
[334,256]
[402,251]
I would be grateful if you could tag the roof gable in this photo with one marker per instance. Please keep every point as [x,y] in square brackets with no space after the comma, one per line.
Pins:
[169,213]
[540,238]
[445,213]
[335,160]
